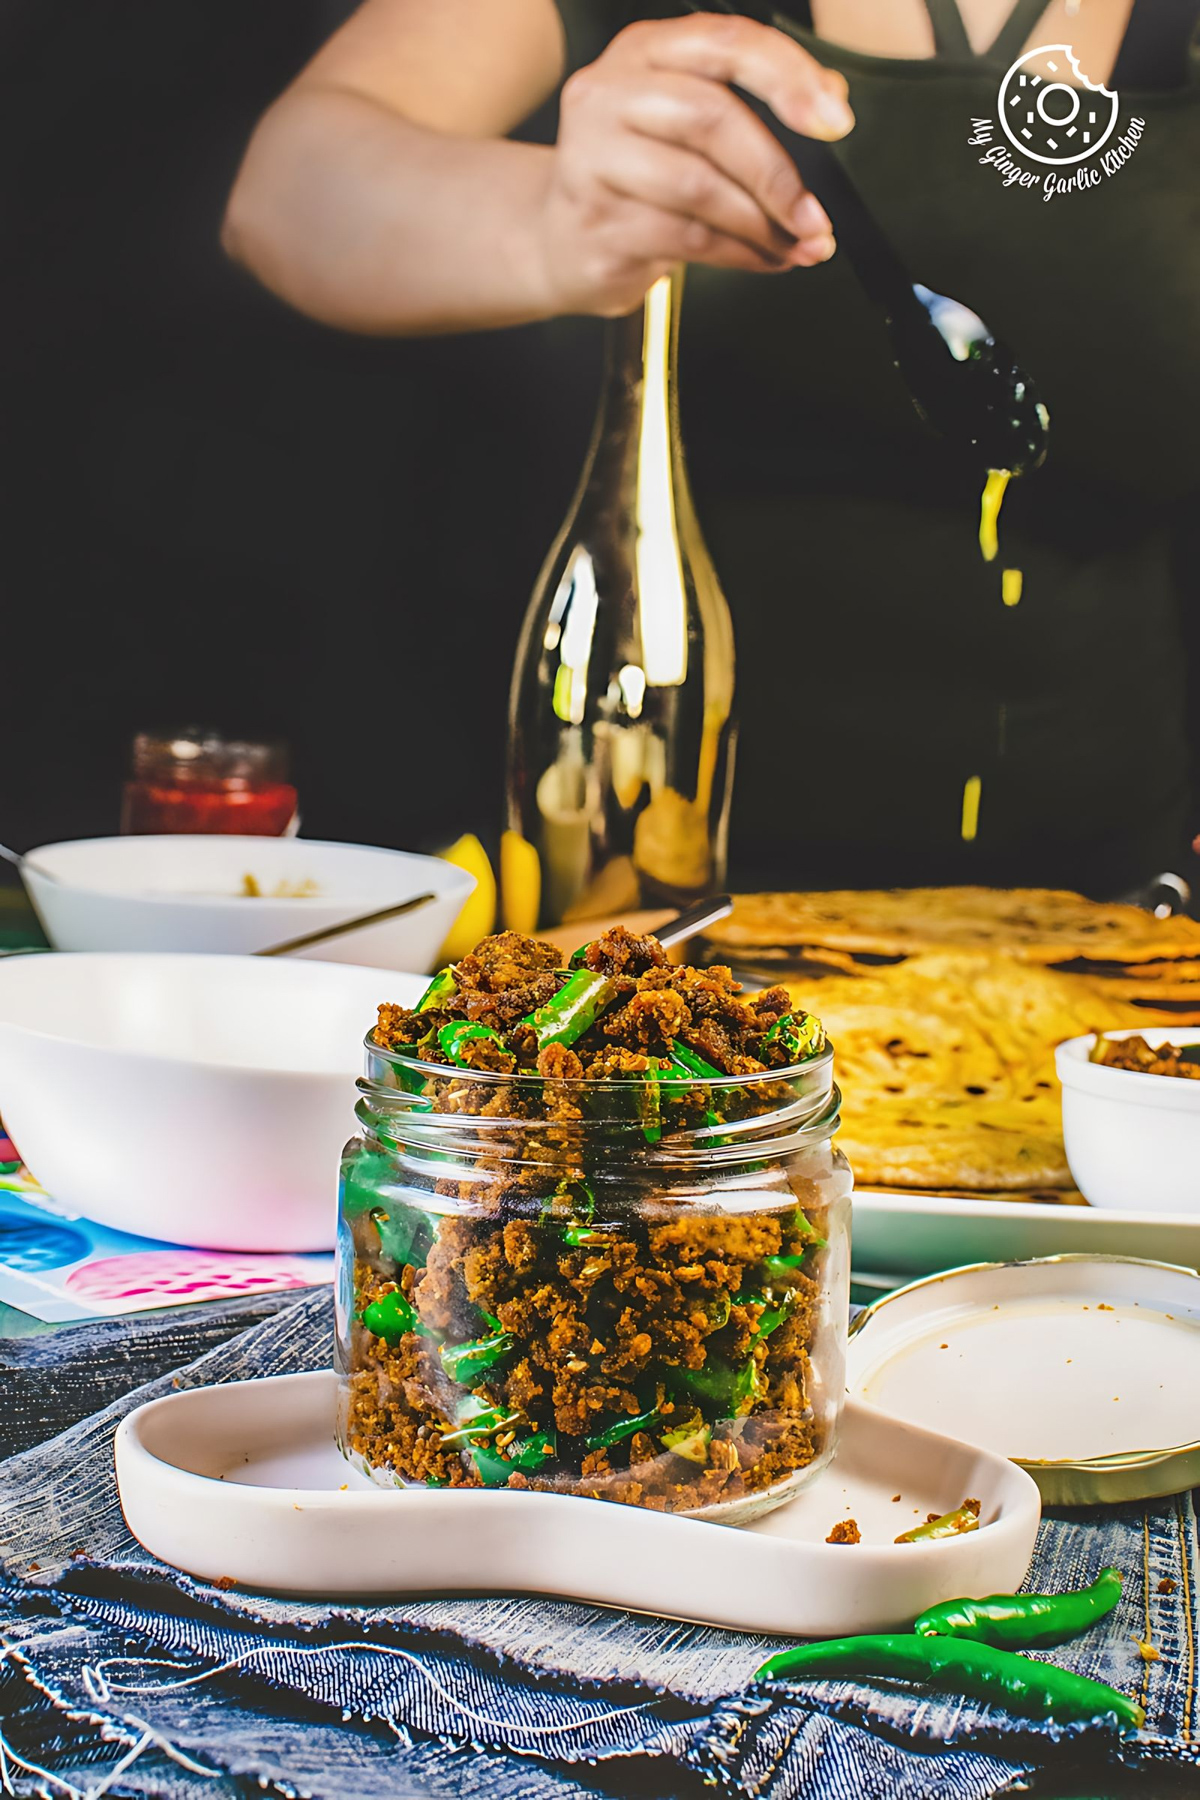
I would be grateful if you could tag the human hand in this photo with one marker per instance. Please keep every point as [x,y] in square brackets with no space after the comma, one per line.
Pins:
[658,162]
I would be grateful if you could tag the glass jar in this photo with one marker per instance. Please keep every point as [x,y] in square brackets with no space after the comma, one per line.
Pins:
[198,780]
[630,1289]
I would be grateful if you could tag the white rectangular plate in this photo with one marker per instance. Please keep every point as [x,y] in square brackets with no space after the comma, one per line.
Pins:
[243,1482]
[917,1235]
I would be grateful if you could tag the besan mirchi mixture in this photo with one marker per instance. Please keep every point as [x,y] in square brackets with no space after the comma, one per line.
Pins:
[549,1314]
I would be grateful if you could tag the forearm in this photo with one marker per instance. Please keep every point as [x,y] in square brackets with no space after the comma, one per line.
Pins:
[369,222]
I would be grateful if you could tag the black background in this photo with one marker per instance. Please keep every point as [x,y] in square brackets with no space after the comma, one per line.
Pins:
[215,510]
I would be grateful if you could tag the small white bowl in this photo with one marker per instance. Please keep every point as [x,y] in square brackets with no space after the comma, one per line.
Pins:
[184,892]
[1133,1140]
[200,1099]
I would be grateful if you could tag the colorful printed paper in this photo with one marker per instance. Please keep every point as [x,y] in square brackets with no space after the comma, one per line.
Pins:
[60,1268]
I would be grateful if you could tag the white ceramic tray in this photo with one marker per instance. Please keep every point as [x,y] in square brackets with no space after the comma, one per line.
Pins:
[244,1481]
[916,1235]
[1084,1369]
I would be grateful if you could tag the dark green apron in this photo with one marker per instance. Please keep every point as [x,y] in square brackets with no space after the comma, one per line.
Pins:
[878,668]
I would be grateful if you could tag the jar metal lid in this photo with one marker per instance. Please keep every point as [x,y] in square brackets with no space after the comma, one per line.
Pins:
[1085,1370]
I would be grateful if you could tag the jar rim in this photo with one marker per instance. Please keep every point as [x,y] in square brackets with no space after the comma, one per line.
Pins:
[807,1110]
[529,1080]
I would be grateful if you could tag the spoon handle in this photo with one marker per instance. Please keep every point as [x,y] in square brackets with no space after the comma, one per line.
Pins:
[693,919]
[359,924]
[871,253]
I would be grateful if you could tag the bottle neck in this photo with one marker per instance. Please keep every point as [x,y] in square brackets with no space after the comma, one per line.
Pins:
[637,419]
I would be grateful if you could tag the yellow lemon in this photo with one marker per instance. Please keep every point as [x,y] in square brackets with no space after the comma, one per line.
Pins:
[520,883]
[478,916]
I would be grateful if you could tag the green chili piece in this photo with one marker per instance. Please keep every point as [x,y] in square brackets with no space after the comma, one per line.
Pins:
[496,1466]
[687,1066]
[772,1315]
[405,1233]
[494,1471]
[578,1235]
[1030,1689]
[717,1312]
[477,1418]
[747,1386]
[452,1037]
[648,1107]
[712,1384]
[573,1009]
[1024,1621]
[778,1268]
[531,1452]
[573,1200]
[800,1034]
[465,1363]
[361,1181]
[391,1317]
[801,1226]
[951,1524]
[690,1441]
[692,1065]
[624,1428]
[728,1390]
[443,987]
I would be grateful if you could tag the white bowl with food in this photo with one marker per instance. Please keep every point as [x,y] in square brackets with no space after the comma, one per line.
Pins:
[233,895]
[1132,1136]
[200,1099]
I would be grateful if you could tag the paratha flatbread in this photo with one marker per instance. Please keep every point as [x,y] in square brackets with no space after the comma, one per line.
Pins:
[946,1065]
[1014,1196]
[1037,925]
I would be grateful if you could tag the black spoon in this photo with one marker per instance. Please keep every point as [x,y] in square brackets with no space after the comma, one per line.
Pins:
[963,381]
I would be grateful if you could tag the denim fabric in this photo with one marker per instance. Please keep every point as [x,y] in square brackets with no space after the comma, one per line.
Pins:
[114,1662]
[58,1376]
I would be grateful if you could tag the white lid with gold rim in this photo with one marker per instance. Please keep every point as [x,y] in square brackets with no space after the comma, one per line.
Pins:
[1085,1370]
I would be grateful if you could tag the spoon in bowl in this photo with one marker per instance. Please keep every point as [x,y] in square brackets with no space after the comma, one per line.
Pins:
[359,924]
[20,862]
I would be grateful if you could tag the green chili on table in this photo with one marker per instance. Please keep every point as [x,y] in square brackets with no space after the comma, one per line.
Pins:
[1024,1621]
[1030,1689]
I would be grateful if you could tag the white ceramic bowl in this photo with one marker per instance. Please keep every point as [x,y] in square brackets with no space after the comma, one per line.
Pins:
[200,1099]
[1133,1140]
[184,893]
